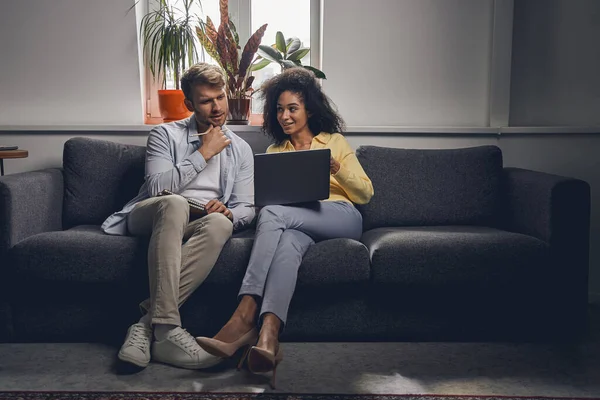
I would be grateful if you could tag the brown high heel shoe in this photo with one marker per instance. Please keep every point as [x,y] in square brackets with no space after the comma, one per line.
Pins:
[227,350]
[261,361]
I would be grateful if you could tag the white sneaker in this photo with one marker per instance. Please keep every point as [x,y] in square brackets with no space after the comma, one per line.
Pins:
[180,349]
[136,349]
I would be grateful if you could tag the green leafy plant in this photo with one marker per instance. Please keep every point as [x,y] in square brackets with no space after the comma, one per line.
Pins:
[288,53]
[222,44]
[169,39]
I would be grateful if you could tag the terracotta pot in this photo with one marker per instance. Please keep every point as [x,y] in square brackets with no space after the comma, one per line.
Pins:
[170,103]
[239,112]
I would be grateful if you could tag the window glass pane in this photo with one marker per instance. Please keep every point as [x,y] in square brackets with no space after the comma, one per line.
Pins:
[292,18]
[208,8]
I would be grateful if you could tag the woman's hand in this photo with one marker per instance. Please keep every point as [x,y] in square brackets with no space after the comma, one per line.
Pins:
[334,166]
[216,206]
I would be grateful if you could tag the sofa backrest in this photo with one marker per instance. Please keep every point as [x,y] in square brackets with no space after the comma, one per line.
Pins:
[102,176]
[257,140]
[416,187]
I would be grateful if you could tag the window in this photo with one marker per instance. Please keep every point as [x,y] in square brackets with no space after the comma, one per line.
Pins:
[208,8]
[294,18]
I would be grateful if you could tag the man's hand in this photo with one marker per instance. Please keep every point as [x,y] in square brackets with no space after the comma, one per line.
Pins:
[215,206]
[213,142]
[334,166]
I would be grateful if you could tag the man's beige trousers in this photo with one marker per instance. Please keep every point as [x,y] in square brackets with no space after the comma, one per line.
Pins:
[181,253]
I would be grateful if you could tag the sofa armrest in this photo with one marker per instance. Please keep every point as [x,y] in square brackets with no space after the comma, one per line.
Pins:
[30,203]
[555,209]
[550,207]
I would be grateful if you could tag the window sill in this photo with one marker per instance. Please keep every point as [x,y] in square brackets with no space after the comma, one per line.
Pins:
[418,131]
[255,120]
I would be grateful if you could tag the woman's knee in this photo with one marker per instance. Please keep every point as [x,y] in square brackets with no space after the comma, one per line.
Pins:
[294,241]
[273,213]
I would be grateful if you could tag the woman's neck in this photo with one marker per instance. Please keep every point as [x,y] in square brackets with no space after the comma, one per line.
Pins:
[302,140]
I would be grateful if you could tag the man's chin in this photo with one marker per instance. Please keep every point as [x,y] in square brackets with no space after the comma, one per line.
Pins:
[220,121]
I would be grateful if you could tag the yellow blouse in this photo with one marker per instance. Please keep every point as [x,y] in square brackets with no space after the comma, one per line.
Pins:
[350,183]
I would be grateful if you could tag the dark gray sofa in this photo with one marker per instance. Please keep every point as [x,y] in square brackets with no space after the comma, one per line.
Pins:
[455,247]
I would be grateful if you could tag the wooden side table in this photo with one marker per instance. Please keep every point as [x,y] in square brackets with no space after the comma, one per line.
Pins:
[11,154]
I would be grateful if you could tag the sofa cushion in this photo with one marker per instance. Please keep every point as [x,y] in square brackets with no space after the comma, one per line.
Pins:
[100,177]
[453,256]
[81,254]
[331,262]
[85,254]
[431,187]
[335,262]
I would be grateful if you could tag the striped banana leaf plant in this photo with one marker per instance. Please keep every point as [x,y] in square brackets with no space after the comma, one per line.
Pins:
[222,44]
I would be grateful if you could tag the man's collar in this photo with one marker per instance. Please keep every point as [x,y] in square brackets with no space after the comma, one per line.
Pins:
[192,129]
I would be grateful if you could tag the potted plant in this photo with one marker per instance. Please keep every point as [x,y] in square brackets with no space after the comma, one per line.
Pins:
[287,53]
[222,44]
[169,48]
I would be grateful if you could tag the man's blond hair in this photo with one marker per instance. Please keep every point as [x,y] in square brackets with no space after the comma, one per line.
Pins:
[201,74]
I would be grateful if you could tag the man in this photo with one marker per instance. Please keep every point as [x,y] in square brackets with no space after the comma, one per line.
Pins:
[194,158]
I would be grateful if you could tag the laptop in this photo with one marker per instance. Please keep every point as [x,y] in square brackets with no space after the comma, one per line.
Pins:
[291,177]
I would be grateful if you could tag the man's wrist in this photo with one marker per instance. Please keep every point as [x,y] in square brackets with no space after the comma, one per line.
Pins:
[207,156]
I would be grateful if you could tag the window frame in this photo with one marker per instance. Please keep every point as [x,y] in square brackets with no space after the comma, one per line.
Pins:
[240,12]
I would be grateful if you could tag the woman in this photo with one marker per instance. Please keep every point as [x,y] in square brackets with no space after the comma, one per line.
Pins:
[297,116]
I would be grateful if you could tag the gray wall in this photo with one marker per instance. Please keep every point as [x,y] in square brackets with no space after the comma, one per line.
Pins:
[555,63]
[410,62]
[69,62]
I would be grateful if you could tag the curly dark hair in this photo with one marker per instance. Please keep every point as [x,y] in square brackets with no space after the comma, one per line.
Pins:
[323,116]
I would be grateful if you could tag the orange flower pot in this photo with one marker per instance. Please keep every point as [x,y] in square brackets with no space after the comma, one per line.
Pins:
[171,106]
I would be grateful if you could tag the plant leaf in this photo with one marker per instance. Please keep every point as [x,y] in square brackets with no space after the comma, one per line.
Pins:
[210,30]
[231,84]
[317,72]
[224,9]
[208,45]
[250,49]
[280,42]
[293,45]
[287,64]
[236,37]
[269,53]
[248,84]
[232,50]
[260,65]
[223,48]
[298,54]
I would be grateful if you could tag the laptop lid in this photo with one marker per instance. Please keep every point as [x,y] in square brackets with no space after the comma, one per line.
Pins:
[291,177]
